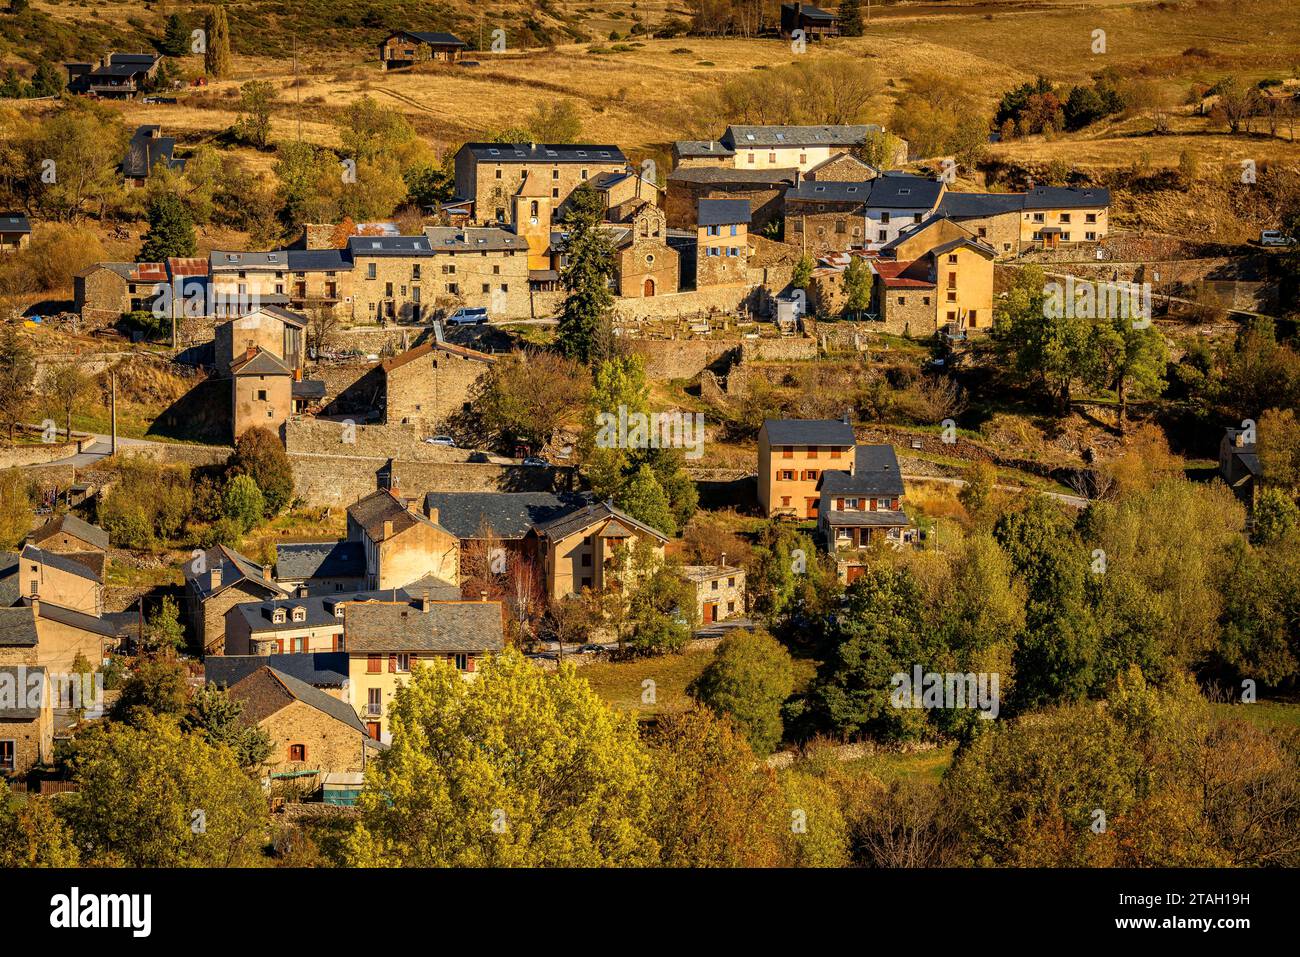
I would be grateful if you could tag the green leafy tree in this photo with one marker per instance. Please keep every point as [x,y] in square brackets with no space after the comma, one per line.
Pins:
[586,279]
[256,101]
[977,494]
[645,499]
[216,59]
[163,631]
[47,80]
[803,271]
[33,835]
[242,502]
[857,286]
[17,373]
[170,233]
[15,508]
[153,796]
[66,386]
[157,686]
[520,768]
[555,121]
[220,719]
[261,456]
[1135,362]
[527,395]
[749,679]
[661,610]
[1275,516]
[1279,448]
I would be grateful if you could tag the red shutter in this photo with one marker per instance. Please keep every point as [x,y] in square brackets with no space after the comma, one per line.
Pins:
[469,662]
[392,663]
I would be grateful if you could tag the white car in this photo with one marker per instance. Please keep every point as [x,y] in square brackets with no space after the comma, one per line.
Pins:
[1275,237]
[444,440]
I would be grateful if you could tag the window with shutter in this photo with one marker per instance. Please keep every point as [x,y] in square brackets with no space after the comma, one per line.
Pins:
[392,664]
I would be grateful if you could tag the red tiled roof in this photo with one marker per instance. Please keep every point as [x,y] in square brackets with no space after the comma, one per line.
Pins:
[890,271]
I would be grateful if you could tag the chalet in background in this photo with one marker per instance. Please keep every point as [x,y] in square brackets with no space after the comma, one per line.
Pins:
[406,48]
[118,75]
[149,149]
[15,231]
[815,22]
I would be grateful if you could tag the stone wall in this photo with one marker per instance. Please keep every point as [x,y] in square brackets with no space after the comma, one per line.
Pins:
[338,480]
[327,437]
[27,455]
[778,350]
[728,298]
[678,359]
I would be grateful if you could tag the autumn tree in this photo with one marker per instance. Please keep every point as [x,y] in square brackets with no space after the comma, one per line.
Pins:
[17,373]
[261,456]
[520,768]
[66,386]
[216,59]
[527,395]
[256,102]
[748,679]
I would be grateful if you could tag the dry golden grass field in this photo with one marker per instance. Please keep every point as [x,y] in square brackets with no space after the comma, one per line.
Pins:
[642,94]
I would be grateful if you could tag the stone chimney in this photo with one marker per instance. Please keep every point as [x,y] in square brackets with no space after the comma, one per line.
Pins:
[388,529]
[432,513]
[214,577]
[36,606]
[482,596]
[425,604]
[722,559]
[297,374]
[266,573]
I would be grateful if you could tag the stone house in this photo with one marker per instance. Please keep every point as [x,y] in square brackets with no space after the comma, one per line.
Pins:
[494,175]
[147,151]
[580,550]
[842,168]
[1239,464]
[719,590]
[15,231]
[299,278]
[280,626]
[76,538]
[105,292]
[722,236]
[507,519]
[386,641]
[478,267]
[425,385]
[763,189]
[407,48]
[324,670]
[860,506]
[26,718]
[800,147]
[270,329]
[993,218]
[792,454]
[309,729]
[402,546]
[826,216]
[261,392]
[215,582]
[947,269]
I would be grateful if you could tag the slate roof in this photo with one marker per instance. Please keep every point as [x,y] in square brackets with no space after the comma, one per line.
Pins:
[388,246]
[382,506]
[830,191]
[147,151]
[322,669]
[1061,197]
[511,515]
[308,389]
[10,591]
[472,238]
[706,573]
[545,153]
[410,355]
[967,241]
[234,569]
[737,137]
[973,205]
[78,528]
[720,175]
[809,432]
[839,157]
[17,627]
[881,518]
[268,691]
[276,259]
[78,619]
[318,260]
[723,212]
[260,362]
[448,627]
[14,223]
[18,677]
[64,563]
[702,148]
[904,192]
[589,515]
[320,612]
[436,38]
[875,473]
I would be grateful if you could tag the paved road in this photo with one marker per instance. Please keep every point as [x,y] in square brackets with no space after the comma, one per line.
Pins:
[98,449]
[1078,501]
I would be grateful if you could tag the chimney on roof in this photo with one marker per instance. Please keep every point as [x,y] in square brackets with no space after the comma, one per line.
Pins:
[214,577]
[722,559]
[297,374]
[36,606]
[482,596]
[266,573]
[432,513]
[388,529]
[796,177]
[302,591]
[425,604]
[846,417]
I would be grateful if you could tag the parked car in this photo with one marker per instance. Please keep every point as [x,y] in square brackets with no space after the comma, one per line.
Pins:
[479,457]
[1275,237]
[444,440]
[476,316]
[533,462]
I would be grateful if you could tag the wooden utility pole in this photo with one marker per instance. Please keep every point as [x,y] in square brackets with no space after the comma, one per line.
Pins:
[297,90]
[112,444]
